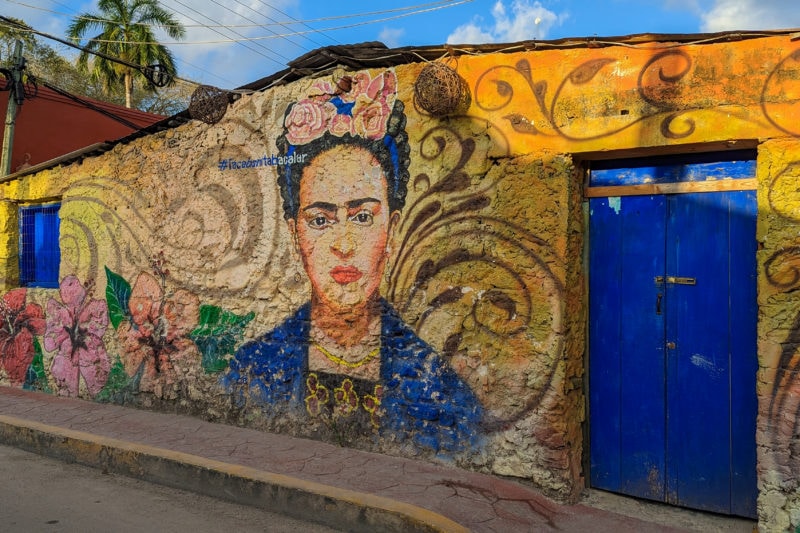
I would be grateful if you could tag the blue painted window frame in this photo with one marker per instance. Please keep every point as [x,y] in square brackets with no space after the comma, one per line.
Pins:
[39,251]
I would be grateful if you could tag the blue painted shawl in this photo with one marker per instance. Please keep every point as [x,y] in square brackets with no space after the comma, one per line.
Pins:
[424,400]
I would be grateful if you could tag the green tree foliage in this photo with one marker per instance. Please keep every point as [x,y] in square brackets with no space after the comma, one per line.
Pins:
[42,61]
[166,101]
[126,31]
[9,35]
[56,65]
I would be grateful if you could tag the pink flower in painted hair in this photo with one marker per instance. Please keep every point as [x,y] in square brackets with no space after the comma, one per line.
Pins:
[382,86]
[20,323]
[374,102]
[370,120]
[75,327]
[341,124]
[359,83]
[357,105]
[307,120]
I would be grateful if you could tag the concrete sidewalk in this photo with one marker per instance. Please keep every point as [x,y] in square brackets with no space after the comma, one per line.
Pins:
[340,487]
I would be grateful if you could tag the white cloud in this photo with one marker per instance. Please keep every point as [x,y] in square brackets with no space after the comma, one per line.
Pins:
[751,15]
[470,34]
[391,36]
[215,59]
[527,20]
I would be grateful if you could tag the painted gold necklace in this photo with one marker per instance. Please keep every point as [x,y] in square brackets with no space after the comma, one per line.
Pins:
[339,361]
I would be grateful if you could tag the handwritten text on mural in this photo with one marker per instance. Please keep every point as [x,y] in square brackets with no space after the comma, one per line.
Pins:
[267,160]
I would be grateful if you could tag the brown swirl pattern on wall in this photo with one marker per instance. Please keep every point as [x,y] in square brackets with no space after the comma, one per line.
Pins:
[782,81]
[782,270]
[659,86]
[219,229]
[664,87]
[478,287]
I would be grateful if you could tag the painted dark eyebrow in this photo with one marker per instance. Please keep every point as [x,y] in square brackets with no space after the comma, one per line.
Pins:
[325,206]
[361,201]
[352,204]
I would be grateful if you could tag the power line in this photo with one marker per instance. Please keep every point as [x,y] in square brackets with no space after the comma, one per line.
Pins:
[237,14]
[74,14]
[147,71]
[441,3]
[89,104]
[284,35]
[201,69]
[270,18]
[295,21]
[241,42]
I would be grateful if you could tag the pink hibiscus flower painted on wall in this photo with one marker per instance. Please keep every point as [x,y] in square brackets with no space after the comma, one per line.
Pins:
[155,339]
[21,321]
[75,327]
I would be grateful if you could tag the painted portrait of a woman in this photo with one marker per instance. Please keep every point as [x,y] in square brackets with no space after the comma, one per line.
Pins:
[345,360]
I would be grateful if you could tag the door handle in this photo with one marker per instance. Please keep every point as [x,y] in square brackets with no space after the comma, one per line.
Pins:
[676,280]
[658,303]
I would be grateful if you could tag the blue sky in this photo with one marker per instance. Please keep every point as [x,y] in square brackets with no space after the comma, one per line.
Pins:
[232,42]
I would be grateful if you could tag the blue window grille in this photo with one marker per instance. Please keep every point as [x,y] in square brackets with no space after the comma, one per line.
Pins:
[39,253]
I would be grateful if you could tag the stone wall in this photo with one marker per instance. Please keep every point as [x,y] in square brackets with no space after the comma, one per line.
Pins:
[778,434]
[175,253]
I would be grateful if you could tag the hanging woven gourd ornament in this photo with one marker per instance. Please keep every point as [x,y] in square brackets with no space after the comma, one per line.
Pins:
[208,104]
[440,91]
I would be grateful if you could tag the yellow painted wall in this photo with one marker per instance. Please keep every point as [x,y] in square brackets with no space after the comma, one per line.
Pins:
[653,94]
[779,326]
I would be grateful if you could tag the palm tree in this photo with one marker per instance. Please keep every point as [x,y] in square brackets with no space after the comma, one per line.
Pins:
[126,32]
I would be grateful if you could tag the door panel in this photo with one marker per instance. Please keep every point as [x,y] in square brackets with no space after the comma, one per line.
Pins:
[628,342]
[672,400]
[743,354]
[698,369]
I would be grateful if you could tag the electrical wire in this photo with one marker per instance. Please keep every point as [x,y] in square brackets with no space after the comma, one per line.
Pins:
[285,35]
[89,104]
[253,25]
[270,6]
[242,43]
[9,23]
[317,44]
[256,12]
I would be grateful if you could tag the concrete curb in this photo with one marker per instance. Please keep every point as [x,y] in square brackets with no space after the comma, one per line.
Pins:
[306,500]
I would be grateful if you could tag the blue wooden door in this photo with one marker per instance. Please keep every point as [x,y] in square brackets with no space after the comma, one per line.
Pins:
[672,346]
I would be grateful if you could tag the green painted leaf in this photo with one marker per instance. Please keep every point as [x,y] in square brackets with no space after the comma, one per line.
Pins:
[217,335]
[117,382]
[36,378]
[118,293]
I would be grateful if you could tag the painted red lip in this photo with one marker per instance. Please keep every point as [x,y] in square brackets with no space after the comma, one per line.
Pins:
[346,274]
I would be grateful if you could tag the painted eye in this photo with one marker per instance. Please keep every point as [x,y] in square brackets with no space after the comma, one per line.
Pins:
[319,222]
[362,218]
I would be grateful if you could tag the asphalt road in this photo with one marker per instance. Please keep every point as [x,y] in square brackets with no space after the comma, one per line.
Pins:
[39,494]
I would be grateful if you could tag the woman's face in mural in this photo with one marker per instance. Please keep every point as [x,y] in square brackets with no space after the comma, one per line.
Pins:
[342,226]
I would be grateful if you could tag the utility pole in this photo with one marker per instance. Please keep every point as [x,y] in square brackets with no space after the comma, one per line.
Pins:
[16,95]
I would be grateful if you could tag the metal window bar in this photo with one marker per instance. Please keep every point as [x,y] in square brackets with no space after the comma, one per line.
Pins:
[39,252]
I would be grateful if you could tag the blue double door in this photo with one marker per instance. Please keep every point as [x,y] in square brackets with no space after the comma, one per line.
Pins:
[672,347]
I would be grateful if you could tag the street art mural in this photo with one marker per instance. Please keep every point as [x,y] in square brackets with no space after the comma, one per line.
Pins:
[346,358]
[75,328]
[355,259]
[21,323]
[332,261]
